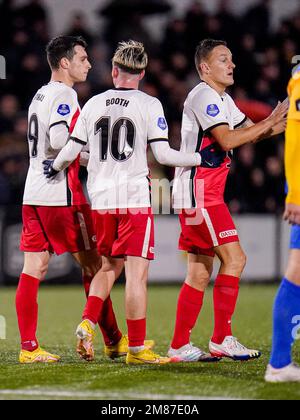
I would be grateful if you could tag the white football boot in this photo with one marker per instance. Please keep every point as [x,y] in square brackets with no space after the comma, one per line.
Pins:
[232,349]
[190,353]
[290,373]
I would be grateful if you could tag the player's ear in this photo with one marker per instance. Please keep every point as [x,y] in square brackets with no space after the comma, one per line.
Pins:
[115,72]
[142,75]
[64,63]
[204,68]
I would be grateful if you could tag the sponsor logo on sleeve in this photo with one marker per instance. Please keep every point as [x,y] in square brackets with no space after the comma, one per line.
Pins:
[162,123]
[212,110]
[63,109]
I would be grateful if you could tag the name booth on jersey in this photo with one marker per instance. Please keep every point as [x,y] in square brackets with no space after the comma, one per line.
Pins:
[117,101]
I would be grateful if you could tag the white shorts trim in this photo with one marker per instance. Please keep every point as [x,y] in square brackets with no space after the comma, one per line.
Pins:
[210,227]
[147,238]
[84,231]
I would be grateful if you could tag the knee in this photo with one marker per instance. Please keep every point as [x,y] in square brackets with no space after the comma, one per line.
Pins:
[113,265]
[235,264]
[198,280]
[38,270]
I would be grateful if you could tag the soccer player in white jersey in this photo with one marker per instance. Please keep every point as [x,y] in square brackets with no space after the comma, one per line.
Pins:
[119,125]
[56,215]
[213,125]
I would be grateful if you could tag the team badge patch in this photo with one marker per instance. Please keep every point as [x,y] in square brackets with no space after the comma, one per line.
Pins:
[162,123]
[63,109]
[212,110]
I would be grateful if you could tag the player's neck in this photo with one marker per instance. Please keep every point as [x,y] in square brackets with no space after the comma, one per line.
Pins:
[126,84]
[214,85]
[58,76]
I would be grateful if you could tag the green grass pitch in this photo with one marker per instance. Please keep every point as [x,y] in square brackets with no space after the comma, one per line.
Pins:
[60,312]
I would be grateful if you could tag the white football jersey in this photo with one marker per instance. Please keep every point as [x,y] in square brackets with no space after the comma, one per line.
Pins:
[204,109]
[55,103]
[118,125]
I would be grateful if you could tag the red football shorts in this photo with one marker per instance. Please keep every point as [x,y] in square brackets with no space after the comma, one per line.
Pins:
[204,229]
[124,232]
[57,229]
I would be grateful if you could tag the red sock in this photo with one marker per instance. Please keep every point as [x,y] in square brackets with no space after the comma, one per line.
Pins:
[93,309]
[107,323]
[27,311]
[136,332]
[226,292]
[189,305]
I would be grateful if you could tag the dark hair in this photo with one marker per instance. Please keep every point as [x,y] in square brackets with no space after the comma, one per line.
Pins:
[205,48]
[62,47]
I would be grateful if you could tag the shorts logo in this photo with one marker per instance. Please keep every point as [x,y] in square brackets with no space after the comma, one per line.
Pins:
[94,238]
[63,109]
[162,123]
[151,249]
[228,234]
[212,110]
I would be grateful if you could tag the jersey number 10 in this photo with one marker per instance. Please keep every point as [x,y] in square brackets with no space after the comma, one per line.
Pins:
[110,138]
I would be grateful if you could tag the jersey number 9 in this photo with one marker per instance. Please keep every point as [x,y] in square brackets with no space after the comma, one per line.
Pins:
[33,134]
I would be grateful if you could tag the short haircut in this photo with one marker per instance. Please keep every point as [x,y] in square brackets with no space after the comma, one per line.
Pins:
[205,48]
[131,57]
[62,47]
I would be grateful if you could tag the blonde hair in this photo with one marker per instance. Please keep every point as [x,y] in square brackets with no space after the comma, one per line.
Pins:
[131,57]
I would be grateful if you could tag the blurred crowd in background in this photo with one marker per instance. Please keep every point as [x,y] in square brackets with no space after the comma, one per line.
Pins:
[264,63]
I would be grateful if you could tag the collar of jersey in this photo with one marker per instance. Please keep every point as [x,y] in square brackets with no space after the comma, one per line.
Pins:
[123,88]
[221,96]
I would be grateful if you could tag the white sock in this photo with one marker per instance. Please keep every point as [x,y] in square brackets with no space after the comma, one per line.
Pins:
[136,349]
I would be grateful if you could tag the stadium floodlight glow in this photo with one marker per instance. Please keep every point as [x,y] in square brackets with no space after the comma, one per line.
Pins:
[2,67]
[2,328]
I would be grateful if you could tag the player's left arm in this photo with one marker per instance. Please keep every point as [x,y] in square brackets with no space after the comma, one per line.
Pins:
[281,126]
[276,129]
[157,133]
[165,155]
[63,115]
[246,124]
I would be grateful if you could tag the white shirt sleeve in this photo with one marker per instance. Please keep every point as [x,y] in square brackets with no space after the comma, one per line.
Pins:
[63,108]
[80,133]
[67,155]
[238,116]
[209,109]
[170,157]
[59,135]
[78,140]
[84,158]
[157,123]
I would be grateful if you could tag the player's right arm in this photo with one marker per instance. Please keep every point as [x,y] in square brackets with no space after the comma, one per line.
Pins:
[208,107]
[230,139]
